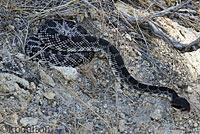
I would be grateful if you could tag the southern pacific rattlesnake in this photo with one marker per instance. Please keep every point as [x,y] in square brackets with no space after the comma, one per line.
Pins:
[65,43]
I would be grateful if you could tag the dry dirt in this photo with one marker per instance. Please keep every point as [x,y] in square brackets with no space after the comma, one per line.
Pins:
[37,98]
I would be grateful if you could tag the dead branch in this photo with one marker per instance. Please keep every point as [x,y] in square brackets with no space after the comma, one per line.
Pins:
[167,11]
[159,33]
[180,46]
[193,46]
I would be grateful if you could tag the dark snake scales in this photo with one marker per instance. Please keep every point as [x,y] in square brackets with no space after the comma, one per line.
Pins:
[65,43]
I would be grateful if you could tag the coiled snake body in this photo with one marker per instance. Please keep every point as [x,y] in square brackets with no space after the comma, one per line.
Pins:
[65,43]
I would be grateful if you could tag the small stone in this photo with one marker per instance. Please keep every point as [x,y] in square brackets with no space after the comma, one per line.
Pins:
[10,82]
[190,90]
[49,95]
[32,85]
[29,121]
[105,34]
[156,115]
[12,27]
[105,106]
[69,73]
[190,122]
[54,104]
[14,118]
[181,127]
[195,124]
[46,78]
[114,30]
[122,115]
[128,37]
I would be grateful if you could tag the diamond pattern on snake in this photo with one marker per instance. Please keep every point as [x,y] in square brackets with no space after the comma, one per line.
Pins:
[65,43]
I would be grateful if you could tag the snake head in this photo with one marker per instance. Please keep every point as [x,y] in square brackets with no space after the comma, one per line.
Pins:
[181,103]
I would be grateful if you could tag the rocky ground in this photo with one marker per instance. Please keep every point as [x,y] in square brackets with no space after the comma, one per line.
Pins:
[40,98]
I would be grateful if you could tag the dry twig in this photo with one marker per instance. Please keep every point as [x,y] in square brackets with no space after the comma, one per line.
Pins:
[158,32]
[133,20]
[193,46]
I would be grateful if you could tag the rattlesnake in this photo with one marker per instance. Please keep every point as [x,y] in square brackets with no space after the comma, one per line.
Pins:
[65,43]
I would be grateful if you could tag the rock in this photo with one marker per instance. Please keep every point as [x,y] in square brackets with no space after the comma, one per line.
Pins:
[156,115]
[14,118]
[32,86]
[46,78]
[122,115]
[128,37]
[196,124]
[29,121]
[10,82]
[69,73]
[49,95]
